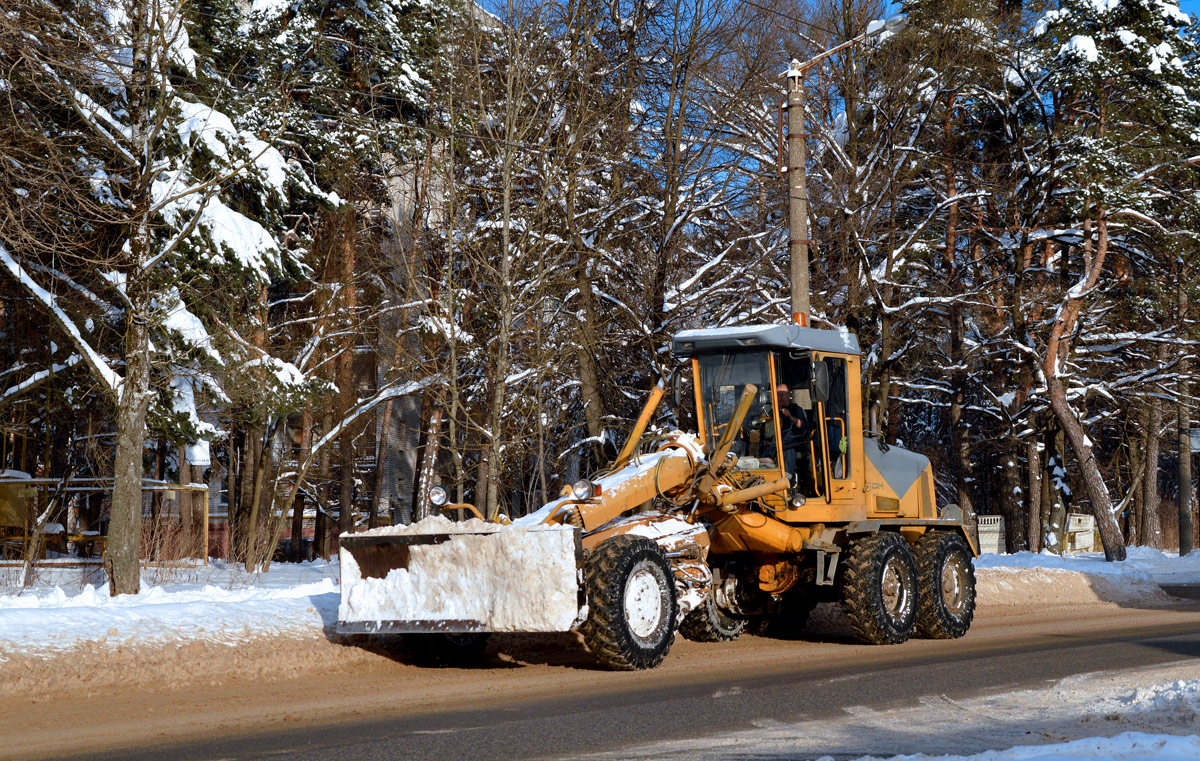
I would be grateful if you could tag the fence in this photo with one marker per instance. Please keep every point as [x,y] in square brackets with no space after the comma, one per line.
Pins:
[174,527]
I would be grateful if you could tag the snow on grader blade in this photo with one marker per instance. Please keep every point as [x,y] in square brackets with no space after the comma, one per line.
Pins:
[445,577]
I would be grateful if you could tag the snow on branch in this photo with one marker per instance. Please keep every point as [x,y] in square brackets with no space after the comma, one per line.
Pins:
[363,407]
[98,365]
[38,377]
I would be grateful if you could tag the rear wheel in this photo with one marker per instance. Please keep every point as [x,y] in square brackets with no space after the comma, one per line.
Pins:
[947,581]
[708,623]
[879,589]
[631,604]
[445,649]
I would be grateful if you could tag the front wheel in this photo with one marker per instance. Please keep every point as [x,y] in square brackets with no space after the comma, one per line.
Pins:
[947,580]
[879,589]
[631,604]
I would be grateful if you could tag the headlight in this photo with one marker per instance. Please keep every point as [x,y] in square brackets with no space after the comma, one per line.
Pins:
[583,490]
[438,496]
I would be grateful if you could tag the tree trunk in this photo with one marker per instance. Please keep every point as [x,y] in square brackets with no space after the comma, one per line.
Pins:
[960,443]
[345,376]
[306,426]
[589,373]
[1012,505]
[383,448]
[1068,420]
[427,469]
[496,416]
[1137,464]
[122,552]
[1053,480]
[1081,445]
[1185,433]
[1033,520]
[1148,530]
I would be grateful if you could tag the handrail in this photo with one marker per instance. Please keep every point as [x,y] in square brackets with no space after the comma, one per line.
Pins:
[812,460]
[825,453]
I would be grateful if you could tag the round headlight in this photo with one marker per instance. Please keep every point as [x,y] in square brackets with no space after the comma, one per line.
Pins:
[438,496]
[583,489]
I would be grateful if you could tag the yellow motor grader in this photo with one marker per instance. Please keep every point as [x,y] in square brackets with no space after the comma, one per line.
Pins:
[778,502]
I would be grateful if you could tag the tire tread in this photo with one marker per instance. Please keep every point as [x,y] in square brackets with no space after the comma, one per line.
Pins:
[604,632]
[860,597]
[933,620]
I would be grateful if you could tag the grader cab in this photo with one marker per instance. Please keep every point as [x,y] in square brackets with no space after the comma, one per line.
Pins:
[777,502]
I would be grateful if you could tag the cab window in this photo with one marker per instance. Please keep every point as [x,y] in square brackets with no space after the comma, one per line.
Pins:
[722,379]
[802,450]
[837,418]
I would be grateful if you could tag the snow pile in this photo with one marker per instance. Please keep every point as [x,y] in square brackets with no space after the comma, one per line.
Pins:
[1179,700]
[1161,566]
[507,578]
[1026,578]
[1127,746]
[434,524]
[227,607]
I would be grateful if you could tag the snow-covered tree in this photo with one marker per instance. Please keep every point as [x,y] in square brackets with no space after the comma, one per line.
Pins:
[185,210]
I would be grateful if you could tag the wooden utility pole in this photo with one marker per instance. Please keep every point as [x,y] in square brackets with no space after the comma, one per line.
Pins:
[1185,436]
[797,178]
[797,182]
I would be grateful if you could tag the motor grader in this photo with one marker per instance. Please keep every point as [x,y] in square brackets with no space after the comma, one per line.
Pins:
[779,501]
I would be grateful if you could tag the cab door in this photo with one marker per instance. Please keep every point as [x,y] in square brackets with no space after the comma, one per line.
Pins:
[839,435]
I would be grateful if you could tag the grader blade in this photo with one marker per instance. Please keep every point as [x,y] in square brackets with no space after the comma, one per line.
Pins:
[486,578]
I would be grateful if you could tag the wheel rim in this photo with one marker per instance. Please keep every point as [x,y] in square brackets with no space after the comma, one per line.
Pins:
[643,601]
[954,585]
[896,593]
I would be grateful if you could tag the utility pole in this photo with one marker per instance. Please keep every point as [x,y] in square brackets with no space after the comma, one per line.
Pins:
[797,182]
[797,179]
[1185,434]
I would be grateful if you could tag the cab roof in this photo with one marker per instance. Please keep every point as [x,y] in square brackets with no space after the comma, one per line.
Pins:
[706,340]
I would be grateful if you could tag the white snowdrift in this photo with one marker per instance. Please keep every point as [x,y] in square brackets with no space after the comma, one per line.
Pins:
[224,606]
[1025,578]
[505,578]
[1127,746]
[1178,701]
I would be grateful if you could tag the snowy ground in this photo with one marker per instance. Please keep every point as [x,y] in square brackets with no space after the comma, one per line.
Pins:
[217,603]
[221,604]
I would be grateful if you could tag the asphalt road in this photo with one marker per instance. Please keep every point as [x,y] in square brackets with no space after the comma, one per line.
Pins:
[569,725]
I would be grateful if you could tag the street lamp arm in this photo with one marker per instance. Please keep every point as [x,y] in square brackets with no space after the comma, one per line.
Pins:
[797,69]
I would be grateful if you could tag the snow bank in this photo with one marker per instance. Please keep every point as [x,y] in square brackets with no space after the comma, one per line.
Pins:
[1178,701]
[1162,566]
[1025,578]
[1127,746]
[225,607]
[505,578]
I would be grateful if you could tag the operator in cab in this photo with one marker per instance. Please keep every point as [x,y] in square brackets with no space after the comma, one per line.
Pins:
[795,430]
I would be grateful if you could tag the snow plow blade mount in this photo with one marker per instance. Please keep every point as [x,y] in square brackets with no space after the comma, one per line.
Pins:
[490,579]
